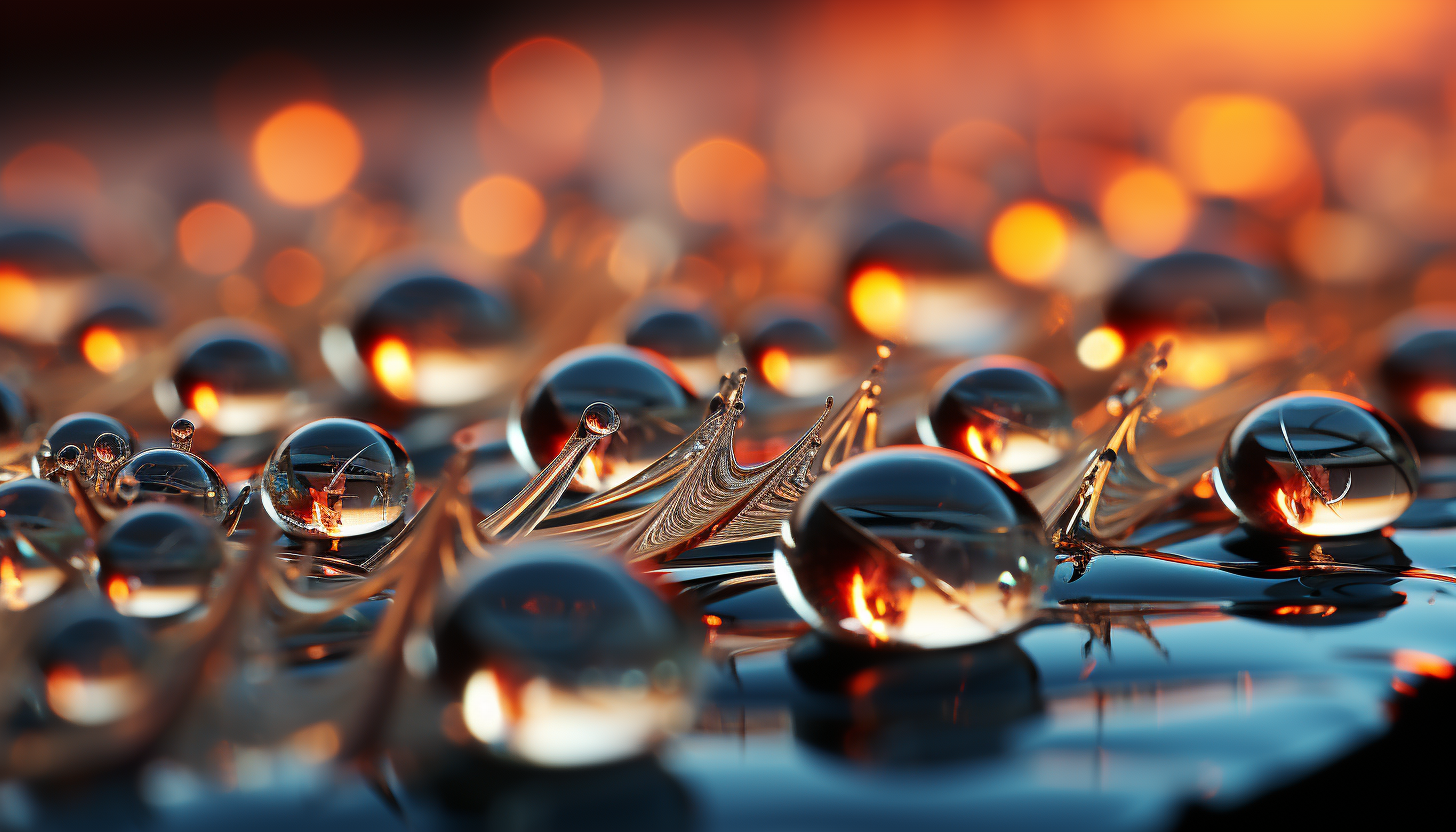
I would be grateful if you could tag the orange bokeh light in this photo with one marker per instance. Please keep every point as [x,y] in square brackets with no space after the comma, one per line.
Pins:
[293,276]
[393,368]
[117,590]
[204,401]
[1101,348]
[306,154]
[48,179]
[19,301]
[720,181]
[546,90]
[1029,242]
[877,300]
[103,349]
[1146,211]
[214,237]
[501,215]
[1240,146]
[777,368]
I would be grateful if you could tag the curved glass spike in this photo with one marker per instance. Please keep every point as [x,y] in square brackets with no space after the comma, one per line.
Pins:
[855,428]
[235,510]
[528,508]
[715,490]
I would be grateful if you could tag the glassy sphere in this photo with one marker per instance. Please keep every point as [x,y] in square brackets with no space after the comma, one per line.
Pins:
[1419,375]
[1002,410]
[794,348]
[1212,305]
[116,331]
[436,340]
[1317,464]
[560,658]
[94,668]
[656,407]
[914,546]
[918,283]
[337,478]
[158,560]
[236,379]
[687,337]
[88,432]
[171,476]
[38,529]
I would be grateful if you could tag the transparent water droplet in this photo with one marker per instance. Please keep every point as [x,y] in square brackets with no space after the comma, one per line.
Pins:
[683,332]
[158,560]
[848,562]
[38,530]
[92,666]
[172,476]
[337,478]
[182,431]
[436,340]
[1002,410]
[1318,464]
[560,658]
[236,379]
[654,404]
[84,431]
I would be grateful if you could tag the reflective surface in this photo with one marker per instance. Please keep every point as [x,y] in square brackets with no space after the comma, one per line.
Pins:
[337,478]
[172,476]
[158,560]
[1317,464]
[39,532]
[14,419]
[1419,376]
[82,430]
[436,340]
[689,338]
[795,349]
[1002,410]
[910,546]
[561,659]
[656,408]
[91,665]
[233,377]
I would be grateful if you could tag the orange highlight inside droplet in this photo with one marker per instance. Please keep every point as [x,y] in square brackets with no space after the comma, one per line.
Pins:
[1029,242]
[393,368]
[204,401]
[103,349]
[877,301]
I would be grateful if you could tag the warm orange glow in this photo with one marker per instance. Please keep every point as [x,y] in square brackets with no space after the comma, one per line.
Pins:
[306,154]
[861,609]
[1422,664]
[1199,368]
[10,587]
[19,302]
[1322,610]
[777,369]
[1384,162]
[117,590]
[712,620]
[1146,211]
[501,215]
[877,300]
[214,237]
[394,369]
[1437,407]
[293,276]
[48,179]
[1101,348]
[1340,246]
[1029,242]
[1241,146]
[720,181]
[204,401]
[819,148]
[1203,489]
[1288,508]
[983,446]
[103,349]
[546,90]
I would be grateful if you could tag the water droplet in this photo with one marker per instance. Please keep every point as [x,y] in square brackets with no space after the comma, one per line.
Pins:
[550,651]
[69,458]
[844,567]
[1318,464]
[1419,375]
[435,340]
[655,407]
[235,378]
[39,529]
[15,417]
[1001,410]
[794,348]
[689,337]
[182,431]
[92,665]
[337,478]
[158,560]
[172,476]
[84,431]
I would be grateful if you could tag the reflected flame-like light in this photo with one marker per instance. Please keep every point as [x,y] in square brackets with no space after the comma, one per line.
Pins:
[1029,242]
[858,605]
[118,590]
[777,368]
[394,368]
[484,708]
[205,402]
[1437,407]
[877,301]
[1100,348]
[1423,664]
[103,349]
[982,447]
[10,586]
[306,154]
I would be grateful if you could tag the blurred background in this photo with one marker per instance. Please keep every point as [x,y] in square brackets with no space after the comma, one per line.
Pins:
[963,178]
